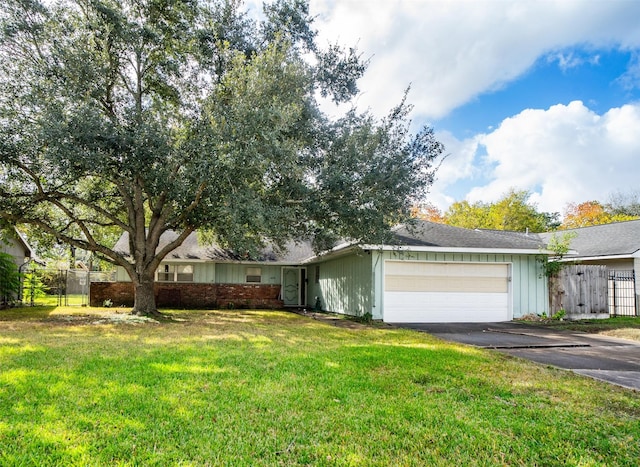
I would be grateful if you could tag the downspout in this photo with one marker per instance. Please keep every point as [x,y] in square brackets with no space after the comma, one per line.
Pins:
[373,282]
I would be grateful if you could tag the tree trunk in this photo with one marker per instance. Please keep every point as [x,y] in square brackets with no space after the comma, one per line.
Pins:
[145,299]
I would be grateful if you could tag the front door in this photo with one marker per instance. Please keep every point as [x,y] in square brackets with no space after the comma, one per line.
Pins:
[293,286]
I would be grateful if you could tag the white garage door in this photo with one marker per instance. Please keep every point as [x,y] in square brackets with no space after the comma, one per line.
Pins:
[421,292]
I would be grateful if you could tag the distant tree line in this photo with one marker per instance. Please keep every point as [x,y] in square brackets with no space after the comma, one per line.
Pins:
[514,211]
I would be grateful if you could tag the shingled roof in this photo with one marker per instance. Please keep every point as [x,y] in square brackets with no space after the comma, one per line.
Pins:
[431,234]
[192,249]
[618,239]
[422,234]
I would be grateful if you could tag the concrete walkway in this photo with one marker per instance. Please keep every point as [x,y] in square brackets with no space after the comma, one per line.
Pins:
[616,361]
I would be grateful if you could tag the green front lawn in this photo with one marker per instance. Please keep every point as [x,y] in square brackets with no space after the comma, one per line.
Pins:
[85,387]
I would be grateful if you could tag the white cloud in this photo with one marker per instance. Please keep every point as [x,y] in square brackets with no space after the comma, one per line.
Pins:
[451,51]
[457,165]
[564,154]
[631,78]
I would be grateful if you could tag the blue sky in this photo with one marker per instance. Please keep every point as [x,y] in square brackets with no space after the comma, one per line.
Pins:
[597,81]
[594,81]
[537,95]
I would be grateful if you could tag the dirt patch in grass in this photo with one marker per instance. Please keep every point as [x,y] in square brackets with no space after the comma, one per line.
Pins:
[632,334]
[333,319]
[627,327]
[73,316]
[95,316]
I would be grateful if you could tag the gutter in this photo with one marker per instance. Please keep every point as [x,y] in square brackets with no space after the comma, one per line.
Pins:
[444,249]
[567,259]
[344,249]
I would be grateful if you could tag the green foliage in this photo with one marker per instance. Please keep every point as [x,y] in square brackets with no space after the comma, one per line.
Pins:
[33,288]
[512,212]
[559,245]
[559,315]
[366,318]
[146,117]
[9,278]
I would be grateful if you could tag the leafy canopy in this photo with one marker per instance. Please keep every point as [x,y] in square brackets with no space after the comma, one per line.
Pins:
[512,212]
[593,213]
[149,116]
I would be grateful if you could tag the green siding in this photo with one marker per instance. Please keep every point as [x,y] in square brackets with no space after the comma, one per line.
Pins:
[209,273]
[236,273]
[344,285]
[204,273]
[121,275]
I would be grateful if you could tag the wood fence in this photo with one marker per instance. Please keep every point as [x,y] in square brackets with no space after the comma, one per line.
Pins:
[580,290]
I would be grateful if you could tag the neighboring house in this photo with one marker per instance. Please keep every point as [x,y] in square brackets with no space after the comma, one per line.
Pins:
[616,246]
[430,273]
[14,244]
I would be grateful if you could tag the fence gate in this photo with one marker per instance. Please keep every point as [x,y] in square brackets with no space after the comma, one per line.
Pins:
[622,293]
[580,290]
[77,290]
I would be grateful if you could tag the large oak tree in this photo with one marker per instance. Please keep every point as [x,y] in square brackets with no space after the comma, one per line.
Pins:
[144,116]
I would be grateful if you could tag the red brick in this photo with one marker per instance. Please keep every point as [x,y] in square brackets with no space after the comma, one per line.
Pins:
[192,295]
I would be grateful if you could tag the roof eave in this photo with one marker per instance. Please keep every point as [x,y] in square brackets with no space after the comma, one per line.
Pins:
[228,261]
[346,249]
[600,257]
[25,244]
[340,250]
[444,249]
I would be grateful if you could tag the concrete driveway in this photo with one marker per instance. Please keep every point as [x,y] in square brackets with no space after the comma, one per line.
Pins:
[616,361]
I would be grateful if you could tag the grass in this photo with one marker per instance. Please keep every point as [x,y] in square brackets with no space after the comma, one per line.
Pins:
[53,300]
[624,327]
[83,387]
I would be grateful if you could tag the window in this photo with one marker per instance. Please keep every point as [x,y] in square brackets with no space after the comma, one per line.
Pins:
[254,275]
[166,273]
[184,273]
[175,273]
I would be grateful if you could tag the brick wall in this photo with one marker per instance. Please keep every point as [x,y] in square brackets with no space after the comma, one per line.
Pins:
[192,295]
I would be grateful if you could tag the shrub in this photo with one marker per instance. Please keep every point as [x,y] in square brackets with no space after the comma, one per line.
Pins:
[9,279]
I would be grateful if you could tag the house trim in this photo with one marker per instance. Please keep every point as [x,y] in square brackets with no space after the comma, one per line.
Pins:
[342,250]
[597,258]
[440,249]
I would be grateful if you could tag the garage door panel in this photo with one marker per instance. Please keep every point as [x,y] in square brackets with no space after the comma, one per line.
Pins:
[443,307]
[446,292]
[414,268]
[398,283]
